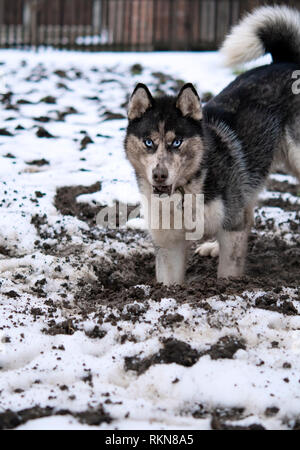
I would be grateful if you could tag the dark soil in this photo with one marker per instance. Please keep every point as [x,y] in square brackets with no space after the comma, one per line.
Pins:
[109,115]
[173,351]
[10,419]
[283,187]
[43,133]
[271,265]
[225,348]
[66,327]
[218,424]
[49,99]
[221,418]
[5,132]
[65,202]
[38,162]
[270,302]
[42,119]
[85,142]
[96,333]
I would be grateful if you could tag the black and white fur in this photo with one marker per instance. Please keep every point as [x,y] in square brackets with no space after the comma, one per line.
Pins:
[251,125]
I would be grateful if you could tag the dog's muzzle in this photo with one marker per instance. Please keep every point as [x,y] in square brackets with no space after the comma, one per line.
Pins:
[159,190]
[160,175]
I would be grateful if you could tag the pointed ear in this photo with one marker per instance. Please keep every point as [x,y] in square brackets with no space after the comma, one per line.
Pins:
[140,101]
[189,103]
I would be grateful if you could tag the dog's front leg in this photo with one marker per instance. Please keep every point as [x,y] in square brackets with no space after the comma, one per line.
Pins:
[232,253]
[170,263]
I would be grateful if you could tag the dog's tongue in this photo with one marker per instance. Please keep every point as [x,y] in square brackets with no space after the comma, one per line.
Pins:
[162,190]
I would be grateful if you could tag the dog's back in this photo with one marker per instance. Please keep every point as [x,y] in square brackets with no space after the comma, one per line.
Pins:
[260,107]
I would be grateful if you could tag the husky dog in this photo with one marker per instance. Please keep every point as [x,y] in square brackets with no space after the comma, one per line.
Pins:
[225,150]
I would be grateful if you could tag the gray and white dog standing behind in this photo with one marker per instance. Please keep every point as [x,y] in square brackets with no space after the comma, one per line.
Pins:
[225,150]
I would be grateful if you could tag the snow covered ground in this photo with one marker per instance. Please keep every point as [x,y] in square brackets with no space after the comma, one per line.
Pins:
[86,338]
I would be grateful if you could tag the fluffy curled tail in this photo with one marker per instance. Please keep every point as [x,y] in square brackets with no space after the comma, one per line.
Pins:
[274,30]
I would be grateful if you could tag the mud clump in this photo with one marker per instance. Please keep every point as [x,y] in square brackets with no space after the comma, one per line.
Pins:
[271,411]
[5,251]
[43,133]
[226,347]
[171,319]
[38,162]
[43,119]
[178,352]
[49,99]
[10,419]
[66,327]
[221,418]
[96,333]
[173,351]
[136,69]
[137,365]
[85,142]
[270,303]
[11,294]
[218,424]
[5,132]
[109,115]
[94,417]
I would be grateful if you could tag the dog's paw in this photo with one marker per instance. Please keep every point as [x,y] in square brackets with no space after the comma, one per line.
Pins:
[210,248]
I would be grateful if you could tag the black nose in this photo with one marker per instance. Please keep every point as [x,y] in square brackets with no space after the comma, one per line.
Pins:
[160,174]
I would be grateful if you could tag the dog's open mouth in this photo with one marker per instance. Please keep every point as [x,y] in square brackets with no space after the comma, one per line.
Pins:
[159,190]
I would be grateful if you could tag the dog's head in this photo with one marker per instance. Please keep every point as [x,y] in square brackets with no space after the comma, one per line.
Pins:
[163,141]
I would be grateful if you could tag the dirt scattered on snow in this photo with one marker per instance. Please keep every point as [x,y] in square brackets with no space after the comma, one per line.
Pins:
[272,265]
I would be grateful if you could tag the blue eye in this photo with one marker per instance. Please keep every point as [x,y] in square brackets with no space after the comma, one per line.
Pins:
[148,143]
[176,143]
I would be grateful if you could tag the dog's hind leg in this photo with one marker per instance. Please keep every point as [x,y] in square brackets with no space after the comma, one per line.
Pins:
[233,249]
